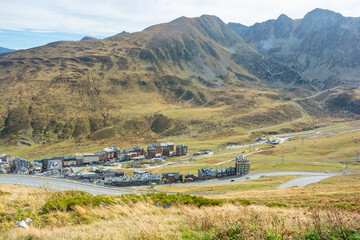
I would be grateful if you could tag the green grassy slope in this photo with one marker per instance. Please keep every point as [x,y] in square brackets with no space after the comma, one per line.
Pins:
[187,78]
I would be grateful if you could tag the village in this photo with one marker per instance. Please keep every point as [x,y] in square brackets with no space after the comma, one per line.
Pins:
[66,167]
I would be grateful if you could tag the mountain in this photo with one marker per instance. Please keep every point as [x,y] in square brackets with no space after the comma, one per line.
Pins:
[323,47]
[191,76]
[87,38]
[122,33]
[6,50]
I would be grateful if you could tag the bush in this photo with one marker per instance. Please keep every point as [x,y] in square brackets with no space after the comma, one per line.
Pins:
[241,201]
[332,233]
[163,198]
[276,204]
[160,123]
[172,199]
[74,198]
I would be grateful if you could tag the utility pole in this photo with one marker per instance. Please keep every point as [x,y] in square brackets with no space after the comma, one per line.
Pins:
[277,166]
[347,163]
[282,159]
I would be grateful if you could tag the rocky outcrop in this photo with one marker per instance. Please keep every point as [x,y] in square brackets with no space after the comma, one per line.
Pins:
[323,47]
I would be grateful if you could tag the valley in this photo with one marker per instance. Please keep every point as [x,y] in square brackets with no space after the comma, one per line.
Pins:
[281,97]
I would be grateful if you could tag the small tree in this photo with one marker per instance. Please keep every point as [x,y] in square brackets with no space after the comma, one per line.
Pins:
[181,178]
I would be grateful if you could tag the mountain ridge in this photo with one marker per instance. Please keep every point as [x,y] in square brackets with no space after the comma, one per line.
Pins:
[323,47]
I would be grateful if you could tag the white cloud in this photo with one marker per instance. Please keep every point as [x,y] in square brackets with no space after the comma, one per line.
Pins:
[106,17]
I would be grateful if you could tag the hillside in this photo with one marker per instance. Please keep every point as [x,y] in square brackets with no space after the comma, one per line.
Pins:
[323,47]
[134,85]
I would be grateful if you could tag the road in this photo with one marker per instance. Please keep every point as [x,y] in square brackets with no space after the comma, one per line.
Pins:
[63,184]
[253,176]
[302,181]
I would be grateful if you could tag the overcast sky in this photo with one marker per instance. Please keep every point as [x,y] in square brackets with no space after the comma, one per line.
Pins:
[29,23]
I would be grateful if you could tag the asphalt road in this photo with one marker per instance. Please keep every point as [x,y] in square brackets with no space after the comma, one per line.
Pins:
[302,181]
[62,184]
[252,176]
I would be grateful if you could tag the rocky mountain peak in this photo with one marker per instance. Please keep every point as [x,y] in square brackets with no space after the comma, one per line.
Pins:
[283,18]
[283,26]
[316,20]
[323,46]
[87,38]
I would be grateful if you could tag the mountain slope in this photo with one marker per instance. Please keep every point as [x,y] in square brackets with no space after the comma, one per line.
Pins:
[324,46]
[122,85]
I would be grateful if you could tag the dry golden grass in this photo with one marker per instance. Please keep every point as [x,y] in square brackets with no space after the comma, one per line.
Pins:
[144,221]
[326,207]
[339,191]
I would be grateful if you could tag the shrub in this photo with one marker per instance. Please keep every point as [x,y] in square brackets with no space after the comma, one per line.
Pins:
[161,123]
[241,201]
[332,233]
[2,193]
[276,204]
[172,199]
[74,198]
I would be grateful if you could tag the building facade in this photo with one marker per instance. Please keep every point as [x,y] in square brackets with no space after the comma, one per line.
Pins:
[242,165]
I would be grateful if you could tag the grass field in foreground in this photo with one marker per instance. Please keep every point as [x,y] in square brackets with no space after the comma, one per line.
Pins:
[341,191]
[326,210]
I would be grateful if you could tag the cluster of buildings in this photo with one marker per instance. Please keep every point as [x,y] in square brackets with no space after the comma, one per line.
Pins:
[156,150]
[134,153]
[60,166]
[141,177]
[17,165]
[11,164]
[57,163]
[97,175]
[242,167]
[166,149]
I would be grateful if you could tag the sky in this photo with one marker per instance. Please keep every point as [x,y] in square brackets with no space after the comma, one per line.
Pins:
[30,23]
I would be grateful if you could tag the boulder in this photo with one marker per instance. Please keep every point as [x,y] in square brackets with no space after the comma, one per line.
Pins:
[22,224]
